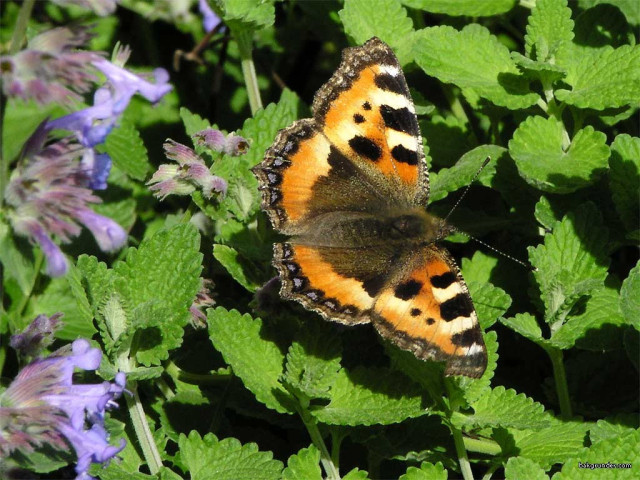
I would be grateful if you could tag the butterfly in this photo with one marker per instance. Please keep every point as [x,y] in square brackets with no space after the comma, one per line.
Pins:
[349,187]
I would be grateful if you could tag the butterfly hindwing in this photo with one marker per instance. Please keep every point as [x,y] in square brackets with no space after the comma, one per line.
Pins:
[428,310]
[309,276]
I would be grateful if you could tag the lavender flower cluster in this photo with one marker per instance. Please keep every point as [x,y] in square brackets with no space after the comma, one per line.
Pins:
[51,190]
[43,405]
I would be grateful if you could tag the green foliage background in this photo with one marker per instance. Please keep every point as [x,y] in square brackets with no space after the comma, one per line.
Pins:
[549,90]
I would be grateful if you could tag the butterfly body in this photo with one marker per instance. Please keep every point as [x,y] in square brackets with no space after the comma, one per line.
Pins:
[350,187]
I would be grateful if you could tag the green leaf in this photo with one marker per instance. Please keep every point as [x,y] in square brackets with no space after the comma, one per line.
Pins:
[313,360]
[607,78]
[469,8]
[544,213]
[553,444]
[526,325]
[628,7]
[230,260]
[255,13]
[58,297]
[115,472]
[630,297]
[475,61]
[303,465]
[96,280]
[226,459]
[16,256]
[74,279]
[547,161]
[257,361]
[624,449]
[546,72]
[624,179]
[427,374]
[549,26]
[20,121]
[356,474]
[478,268]
[598,328]
[193,123]
[166,266]
[386,19]
[521,468]
[506,408]
[490,301]
[427,471]
[262,128]
[461,174]
[127,151]
[447,138]
[145,302]
[370,396]
[612,427]
[572,261]
[154,330]
[602,25]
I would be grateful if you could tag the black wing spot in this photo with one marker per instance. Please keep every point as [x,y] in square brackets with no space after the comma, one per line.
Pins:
[458,306]
[415,312]
[388,82]
[358,118]
[400,119]
[366,148]
[373,285]
[366,106]
[443,281]
[430,321]
[467,338]
[408,289]
[404,155]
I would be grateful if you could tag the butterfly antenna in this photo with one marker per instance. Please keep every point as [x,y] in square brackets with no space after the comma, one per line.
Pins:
[526,265]
[484,164]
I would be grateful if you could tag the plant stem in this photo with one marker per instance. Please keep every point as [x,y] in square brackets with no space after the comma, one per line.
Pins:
[490,471]
[458,440]
[465,466]
[21,26]
[330,468]
[481,445]
[560,377]
[243,37]
[337,435]
[143,432]
[37,265]
[198,378]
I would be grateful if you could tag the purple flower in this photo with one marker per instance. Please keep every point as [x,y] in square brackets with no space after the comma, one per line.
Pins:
[90,125]
[99,7]
[202,301]
[37,336]
[51,69]
[109,235]
[49,194]
[125,84]
[209,19]
[233,144]
[183,179]
[42,406]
